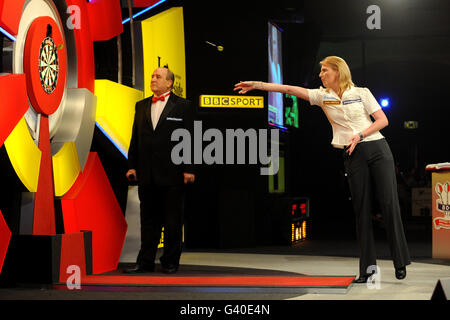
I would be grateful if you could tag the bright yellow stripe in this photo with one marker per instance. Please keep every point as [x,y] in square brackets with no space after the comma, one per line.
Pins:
[66,168]
[24,155]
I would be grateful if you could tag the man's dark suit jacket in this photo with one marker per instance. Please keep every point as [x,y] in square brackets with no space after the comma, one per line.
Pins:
[150,150]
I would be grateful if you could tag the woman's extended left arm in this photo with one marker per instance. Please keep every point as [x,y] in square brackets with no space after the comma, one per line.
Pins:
[380,122]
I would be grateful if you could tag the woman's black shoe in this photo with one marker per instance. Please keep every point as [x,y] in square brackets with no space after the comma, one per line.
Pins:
[400,273]
[169,269]
[361,279]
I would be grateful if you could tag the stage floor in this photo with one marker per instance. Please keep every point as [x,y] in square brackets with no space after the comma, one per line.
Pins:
[420,283]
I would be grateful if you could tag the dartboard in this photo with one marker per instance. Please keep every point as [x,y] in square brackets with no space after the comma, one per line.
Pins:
[48,65]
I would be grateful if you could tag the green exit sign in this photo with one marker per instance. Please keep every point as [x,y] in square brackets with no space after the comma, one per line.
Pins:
[411,124]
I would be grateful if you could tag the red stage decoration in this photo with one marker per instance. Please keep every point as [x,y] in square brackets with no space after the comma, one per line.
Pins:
[10,17]
[90,201]
[72,254]
[85,49]
[44,205]
[217,281]
[91,205]
[45,87]
[144,3]
[13,107]
[45,69]
[13,95]
[105,19]
[5,236]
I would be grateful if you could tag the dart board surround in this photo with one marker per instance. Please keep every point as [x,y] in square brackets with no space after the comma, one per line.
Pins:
[44,65]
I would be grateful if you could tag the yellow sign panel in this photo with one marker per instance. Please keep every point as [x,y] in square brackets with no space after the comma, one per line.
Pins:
[163,45]
[115,111]
[216,101]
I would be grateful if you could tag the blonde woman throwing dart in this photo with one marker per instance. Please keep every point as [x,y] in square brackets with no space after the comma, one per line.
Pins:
[367,157]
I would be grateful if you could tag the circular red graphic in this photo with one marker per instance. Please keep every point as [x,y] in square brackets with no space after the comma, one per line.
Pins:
[45,65]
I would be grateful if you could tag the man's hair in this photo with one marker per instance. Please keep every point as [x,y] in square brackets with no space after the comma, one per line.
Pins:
[170,76]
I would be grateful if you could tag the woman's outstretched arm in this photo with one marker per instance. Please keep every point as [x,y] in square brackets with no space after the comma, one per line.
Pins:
[247,86]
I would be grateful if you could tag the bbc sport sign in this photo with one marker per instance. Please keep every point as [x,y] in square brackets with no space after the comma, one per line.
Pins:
[218,101]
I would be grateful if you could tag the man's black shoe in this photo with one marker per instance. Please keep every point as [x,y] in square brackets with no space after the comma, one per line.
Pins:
[400,273]
[169,269]
[139,269]
[361,279]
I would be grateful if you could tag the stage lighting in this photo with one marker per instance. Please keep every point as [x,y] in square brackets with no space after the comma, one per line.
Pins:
[143,11]
[6,33]
[384,102]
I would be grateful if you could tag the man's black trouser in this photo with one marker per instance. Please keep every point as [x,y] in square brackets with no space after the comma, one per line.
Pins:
[161,206]
[371,176]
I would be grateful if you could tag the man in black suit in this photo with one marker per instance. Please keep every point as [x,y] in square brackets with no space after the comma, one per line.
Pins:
[161,183]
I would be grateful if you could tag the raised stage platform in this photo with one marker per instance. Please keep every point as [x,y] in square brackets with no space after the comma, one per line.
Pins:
[249,276]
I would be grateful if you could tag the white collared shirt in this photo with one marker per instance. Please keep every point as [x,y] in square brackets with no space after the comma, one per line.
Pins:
[157,109]
[348,115]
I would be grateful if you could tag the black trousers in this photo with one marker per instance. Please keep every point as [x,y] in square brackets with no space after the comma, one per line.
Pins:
[161,206]
[371,176]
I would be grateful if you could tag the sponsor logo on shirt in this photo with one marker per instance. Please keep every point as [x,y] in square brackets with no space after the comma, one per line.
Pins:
[330,101]
[351,101]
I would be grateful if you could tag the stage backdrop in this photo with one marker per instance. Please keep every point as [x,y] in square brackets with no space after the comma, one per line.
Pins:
[163,45]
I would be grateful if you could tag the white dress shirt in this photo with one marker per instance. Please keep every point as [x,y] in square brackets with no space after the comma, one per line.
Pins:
[348,115]
[157,109]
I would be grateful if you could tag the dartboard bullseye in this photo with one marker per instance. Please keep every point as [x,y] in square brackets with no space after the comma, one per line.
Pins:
[48,65]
